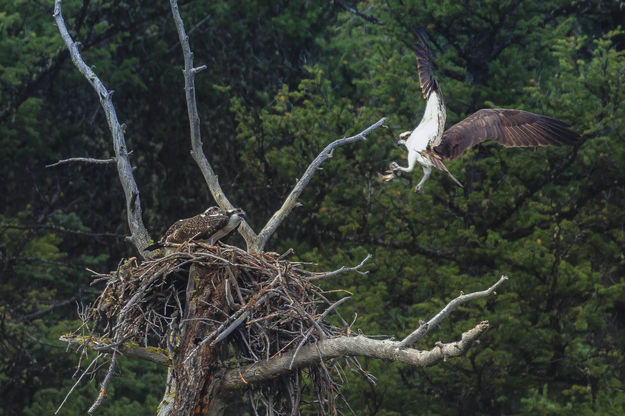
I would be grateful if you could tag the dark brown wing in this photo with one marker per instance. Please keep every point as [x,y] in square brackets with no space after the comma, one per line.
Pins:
[424,66]
[510,128]
[201,227]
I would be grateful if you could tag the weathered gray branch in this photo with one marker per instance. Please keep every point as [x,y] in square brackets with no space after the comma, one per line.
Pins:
[194,124]
[255,243]
[83,160]
[425,327]
[104,385]
[85,372]
[166,407]
[307,354]
[139,235]
[291,200]
[128,349]
[343,269]
[349,346]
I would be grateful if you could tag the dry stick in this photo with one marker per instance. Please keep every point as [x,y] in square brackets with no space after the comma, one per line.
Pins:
[84,160]
[231,328]
[332,307]
[4,226]
[255,243]
[316,323]
[291,200]
[342,270]
[139,235]
[194,124]
[343,321]
[425,327]
[236,285]
[105,384]
[224,326]
[78,381]
[228,294]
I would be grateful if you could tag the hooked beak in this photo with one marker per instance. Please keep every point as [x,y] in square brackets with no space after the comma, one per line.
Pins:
[237,211]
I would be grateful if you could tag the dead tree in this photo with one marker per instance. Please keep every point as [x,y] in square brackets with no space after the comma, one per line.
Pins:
[226,320]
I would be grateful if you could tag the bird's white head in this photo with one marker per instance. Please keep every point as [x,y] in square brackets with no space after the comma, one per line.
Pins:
[236,212]
[403,137]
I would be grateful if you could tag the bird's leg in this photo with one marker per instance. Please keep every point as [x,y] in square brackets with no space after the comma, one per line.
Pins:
[412,161]
[427,171]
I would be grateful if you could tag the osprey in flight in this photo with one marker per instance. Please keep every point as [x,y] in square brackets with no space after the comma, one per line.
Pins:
[429,143]
[212,225]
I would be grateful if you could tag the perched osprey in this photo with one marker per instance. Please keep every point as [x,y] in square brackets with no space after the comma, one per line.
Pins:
[429,143]
[212,225]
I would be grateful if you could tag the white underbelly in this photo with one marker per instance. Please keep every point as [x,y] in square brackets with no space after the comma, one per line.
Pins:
[420,138]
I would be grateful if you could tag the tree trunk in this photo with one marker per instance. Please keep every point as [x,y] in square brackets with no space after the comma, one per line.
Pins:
[197,364]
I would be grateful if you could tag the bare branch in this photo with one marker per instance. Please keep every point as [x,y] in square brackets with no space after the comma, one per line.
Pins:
[84,160]
[131,350]
[291,200]
[231,328]
[255,243]
[42,312]
[343,269]
[105,383]
[194,124]
[166,407]
[69,393]
[349,346]
[432,323]
[359,14]
[139,235]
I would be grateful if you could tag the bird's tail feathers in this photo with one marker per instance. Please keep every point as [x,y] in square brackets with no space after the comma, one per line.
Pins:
[438,164]
[454,179]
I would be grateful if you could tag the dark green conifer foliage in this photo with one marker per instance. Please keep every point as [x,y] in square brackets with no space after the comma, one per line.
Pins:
[284,79]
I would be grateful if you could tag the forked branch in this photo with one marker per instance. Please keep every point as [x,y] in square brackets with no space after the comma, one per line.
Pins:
[194,125]
[425,327]
[291,200]
[398,351]
[139,235]
[343,269]
[255,243]
[349,346]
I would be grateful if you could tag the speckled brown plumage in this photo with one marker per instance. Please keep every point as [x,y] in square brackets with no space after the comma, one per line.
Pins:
[213,224]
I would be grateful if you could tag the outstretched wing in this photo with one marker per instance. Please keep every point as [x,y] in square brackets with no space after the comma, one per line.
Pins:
[424,66]
[510,128]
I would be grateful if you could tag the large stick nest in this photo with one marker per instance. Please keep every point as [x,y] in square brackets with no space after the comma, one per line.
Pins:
[260,304]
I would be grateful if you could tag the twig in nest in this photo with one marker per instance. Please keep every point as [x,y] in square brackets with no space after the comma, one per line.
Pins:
[342,270]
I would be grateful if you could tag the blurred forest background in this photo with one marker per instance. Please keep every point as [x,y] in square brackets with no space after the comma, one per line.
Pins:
[284,79]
